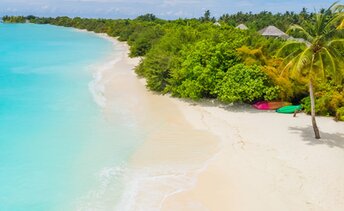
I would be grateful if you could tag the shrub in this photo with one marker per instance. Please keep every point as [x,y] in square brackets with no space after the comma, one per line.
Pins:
[329,98]
[143,38]
[340,114]
[155,69]
[202,66]
[246,84]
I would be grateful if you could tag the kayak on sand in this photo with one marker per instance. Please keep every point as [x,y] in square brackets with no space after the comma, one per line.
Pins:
[264,105]
[289,109]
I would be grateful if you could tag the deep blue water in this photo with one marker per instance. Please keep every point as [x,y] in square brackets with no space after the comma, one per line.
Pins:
[56,146]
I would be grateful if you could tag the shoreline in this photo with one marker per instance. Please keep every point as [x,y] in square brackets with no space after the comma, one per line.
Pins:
[244,159]
[182,175]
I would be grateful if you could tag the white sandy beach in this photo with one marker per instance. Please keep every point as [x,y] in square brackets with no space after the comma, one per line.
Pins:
[209,157]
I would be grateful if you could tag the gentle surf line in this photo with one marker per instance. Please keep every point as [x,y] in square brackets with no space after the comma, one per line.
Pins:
[183,179]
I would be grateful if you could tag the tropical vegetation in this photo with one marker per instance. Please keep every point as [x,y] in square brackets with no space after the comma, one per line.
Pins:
[320,55]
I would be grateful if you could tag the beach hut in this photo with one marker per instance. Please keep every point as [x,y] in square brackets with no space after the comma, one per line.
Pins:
[272,31]
[301,40]
[217,24]
[242,27]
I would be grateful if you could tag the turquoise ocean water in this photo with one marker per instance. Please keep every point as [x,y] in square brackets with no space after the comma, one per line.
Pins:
[57,150]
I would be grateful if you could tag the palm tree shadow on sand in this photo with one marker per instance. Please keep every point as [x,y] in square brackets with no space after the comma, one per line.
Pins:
[330,139]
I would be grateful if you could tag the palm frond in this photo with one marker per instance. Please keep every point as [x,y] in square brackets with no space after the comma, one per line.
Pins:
[337,20]
[303,61]
[333,33]
[290,66]
[310,26]
[321,68]
[288,46]
[341,25]
[323,56]
[335,41]
[330,57]
[301,30]
[290,60]
[338,71]
[318,23]
[335,7]
[337,55]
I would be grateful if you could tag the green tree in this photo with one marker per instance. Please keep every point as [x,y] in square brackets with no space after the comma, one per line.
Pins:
[318,57]
[206,17]
[246,84]
[202,66]
[146,17]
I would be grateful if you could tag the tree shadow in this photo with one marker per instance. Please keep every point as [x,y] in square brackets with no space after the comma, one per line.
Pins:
[329,139]
[232,107]
[207,102]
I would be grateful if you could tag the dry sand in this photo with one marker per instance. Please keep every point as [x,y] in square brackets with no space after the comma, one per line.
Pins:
[210,157]
[268,161]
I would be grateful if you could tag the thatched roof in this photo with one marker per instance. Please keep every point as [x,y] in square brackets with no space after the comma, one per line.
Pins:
[217,24]
[242,27]
[301,40]
[273,31]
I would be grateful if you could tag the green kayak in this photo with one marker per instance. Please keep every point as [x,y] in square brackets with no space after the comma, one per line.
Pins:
[289,109]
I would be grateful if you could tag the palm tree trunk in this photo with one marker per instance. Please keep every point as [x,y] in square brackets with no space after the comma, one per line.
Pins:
[314,123]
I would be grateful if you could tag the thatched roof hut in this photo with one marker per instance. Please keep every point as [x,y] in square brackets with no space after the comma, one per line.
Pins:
[272,31]
[242,27]
[301,40]
[217,24]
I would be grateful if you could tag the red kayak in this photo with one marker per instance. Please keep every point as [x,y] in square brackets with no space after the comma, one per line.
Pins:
[264,105]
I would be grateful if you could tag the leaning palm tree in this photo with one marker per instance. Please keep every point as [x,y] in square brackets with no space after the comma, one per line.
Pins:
[319,54]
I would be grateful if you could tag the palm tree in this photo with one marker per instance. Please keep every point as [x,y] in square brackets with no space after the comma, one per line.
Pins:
[318,55]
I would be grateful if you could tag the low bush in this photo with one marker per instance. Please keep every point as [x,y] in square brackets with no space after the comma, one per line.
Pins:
[246,84]
[329,100]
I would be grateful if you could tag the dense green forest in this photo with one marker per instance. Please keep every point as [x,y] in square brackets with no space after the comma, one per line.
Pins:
[209,58]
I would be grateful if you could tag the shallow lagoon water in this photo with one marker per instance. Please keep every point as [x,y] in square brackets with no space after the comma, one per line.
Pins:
[57,149]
